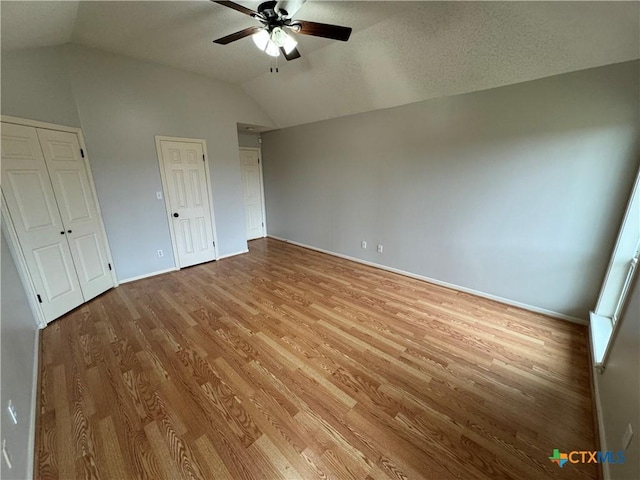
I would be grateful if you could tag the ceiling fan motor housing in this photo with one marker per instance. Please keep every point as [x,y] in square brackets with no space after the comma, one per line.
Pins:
[269,11]
[272,16]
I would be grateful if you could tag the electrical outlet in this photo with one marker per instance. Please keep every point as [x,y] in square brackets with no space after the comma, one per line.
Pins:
[12,412]
[380,248]
[5,453]
[159,195]
[160,253]
[363,244]
[626,438]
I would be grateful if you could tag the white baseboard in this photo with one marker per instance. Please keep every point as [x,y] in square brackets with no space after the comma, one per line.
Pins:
[174,269]
[147,275]
[489,296]
[34,406]
[233,254]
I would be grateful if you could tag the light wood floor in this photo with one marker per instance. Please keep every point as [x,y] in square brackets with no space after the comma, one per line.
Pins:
[287,363]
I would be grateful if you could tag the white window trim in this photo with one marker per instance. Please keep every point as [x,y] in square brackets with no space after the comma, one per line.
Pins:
[603,328]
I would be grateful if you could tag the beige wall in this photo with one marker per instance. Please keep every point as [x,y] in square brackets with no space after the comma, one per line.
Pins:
[18,331]
[36,85]
[121,103]
[516,192]
[251,140]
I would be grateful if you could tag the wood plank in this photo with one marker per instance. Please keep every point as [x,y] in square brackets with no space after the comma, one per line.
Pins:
[289,363]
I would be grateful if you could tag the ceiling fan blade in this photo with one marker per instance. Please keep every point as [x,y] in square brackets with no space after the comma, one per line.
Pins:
[239,8]
[292,55]
[237,36]
[325,30]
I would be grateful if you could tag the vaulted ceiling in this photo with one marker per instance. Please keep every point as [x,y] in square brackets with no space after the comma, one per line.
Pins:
[399,52]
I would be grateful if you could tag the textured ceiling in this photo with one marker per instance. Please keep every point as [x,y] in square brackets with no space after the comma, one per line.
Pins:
[400,52]
[37,24]
[434,49]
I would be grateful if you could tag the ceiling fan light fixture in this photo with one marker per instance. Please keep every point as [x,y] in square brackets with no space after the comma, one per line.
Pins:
[279,36]
[282,39]
[289,44]
[275,35]
[272,49]
[263,41]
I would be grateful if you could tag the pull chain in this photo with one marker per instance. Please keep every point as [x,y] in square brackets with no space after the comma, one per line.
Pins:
[274,65]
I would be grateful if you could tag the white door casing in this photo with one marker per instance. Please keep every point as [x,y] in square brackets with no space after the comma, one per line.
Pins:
[36,219]
[253,192]
[78,210]
[186,186]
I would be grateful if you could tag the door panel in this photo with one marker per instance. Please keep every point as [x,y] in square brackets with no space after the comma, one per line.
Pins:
[197,192]
[185,236]
[32,205]
[29,190]
[201,228]
[78,210]
[252,187]
[188,197]
[180,191]
[54,268]
[91,259]
[75,201]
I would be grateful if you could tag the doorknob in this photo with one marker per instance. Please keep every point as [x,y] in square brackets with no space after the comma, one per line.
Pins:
[176,215]
[62,232]
[69,231]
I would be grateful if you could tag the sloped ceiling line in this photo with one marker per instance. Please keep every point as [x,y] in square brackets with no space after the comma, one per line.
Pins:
[399,53]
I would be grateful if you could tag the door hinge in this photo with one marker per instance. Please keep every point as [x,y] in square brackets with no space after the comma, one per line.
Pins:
[39,298]
[214,244]
[82,153]
[203,159]
[262,224]
[109,266]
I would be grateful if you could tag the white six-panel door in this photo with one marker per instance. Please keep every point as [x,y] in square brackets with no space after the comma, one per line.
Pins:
[34,212]
[252,187]
[78,210]
[187,194]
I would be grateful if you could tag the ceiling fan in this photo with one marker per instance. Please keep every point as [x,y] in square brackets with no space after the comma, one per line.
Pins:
[274,35]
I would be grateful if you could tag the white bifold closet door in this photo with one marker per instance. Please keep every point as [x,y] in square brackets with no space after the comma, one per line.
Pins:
[54,212]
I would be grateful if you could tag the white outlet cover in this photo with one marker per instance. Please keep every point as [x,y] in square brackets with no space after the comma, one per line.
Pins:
[159,195]
[160,253]
[380,247]
[363,244]
[626,438]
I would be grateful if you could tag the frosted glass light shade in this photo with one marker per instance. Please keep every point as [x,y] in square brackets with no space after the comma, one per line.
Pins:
[272,49]
[289,44]
[279,36]
[282,39]
[261,39]
[264,43]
